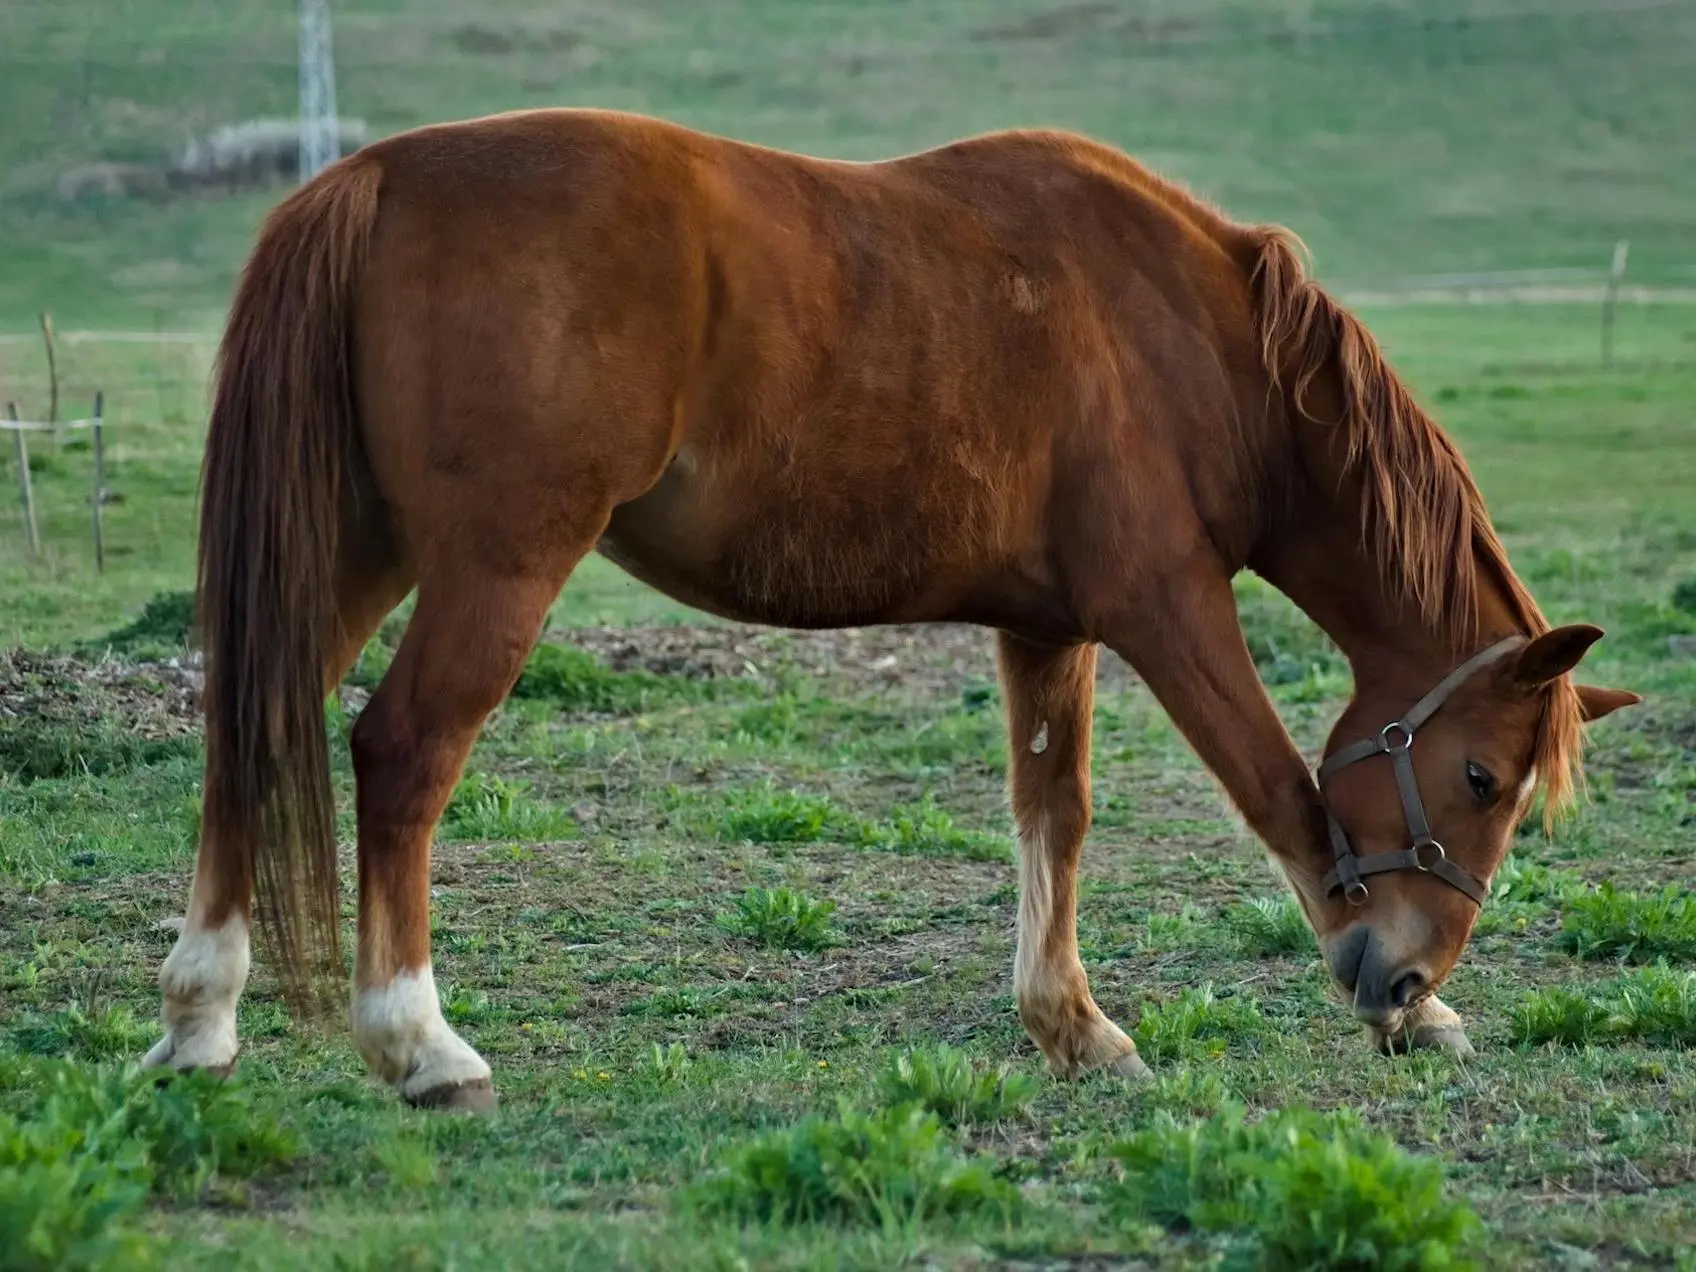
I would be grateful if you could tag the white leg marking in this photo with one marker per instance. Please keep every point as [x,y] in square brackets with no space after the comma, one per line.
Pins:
[1036,908]
[201,979]
[1051,991]
[400,1031]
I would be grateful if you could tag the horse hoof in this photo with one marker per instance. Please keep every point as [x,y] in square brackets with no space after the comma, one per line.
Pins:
[475,1096]
[221,1072]
[1131,1066]
[1450,1038]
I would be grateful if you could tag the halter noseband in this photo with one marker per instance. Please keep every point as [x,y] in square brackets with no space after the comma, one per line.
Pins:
[1395,740]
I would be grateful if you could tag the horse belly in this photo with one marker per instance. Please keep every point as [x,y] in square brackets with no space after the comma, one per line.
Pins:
[791,557]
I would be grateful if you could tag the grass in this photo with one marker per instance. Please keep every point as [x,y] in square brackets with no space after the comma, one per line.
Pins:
[1633,926]
[679,1095]
[1651,1004]
[575,681]
[82,1149]
[945,1081]
[1197,1025]
[894,1168]
[1297,1190]
[1267,926]
[781,918]
[486,807]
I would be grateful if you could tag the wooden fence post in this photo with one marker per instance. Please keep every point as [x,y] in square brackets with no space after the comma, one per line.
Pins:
[26,496]
[1610,300]
[99,478]
[52,371]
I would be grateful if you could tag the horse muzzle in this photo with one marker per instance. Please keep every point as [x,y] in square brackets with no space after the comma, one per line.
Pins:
[1383,985]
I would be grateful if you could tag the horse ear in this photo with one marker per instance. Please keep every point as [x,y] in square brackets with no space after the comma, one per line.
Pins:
[1553,654]
[1597,702]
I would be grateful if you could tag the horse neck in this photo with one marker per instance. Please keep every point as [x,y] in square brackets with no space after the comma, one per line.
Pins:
[1317,556]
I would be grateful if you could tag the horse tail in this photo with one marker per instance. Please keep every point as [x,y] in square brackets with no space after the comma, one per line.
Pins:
[283,421]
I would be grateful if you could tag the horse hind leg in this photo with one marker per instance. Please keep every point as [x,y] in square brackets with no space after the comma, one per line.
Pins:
[1049,695]
[203,976]
[472,629]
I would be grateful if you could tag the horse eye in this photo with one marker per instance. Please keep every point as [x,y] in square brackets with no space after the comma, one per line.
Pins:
[1483,785]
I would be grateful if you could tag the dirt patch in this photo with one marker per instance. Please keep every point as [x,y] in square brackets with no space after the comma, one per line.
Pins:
[150,700]
[937,659]
[1073,19]
[482,41]
[1090,19]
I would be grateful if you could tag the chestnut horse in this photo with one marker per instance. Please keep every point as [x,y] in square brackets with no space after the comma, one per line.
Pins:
[1017,381]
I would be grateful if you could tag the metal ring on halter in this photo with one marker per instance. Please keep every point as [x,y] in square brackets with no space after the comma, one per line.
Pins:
[1356,893]
[1435,849]
[1407,737]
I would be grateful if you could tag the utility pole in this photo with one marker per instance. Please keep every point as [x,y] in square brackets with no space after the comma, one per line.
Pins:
[319,144]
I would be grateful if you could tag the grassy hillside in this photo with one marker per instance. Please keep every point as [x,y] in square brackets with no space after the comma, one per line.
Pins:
[1397,137]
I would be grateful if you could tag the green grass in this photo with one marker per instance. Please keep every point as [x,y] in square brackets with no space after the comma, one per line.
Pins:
[945,1081]
[1297,1190]
[484,807]
[1652,1004]
[1197,1025]
[1635,927]
[892,1169]
[82,1149]
[781,918]
[1268,926]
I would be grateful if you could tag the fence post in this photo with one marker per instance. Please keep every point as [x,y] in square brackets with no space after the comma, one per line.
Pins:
[52,372]
[99,478]
[26,496]
[1610,300]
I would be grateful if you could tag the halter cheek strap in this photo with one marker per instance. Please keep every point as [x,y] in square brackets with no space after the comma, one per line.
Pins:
[1395,740]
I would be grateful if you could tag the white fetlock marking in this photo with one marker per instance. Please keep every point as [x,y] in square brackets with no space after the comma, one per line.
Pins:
[400,1031]
[201,980]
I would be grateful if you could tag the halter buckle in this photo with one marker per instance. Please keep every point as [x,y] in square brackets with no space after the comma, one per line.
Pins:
[1427,855]
[1390,731]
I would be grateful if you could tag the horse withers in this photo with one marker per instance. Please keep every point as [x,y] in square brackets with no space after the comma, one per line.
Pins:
[1018,381]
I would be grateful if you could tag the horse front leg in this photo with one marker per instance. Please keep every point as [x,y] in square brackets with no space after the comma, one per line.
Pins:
[1049,693]
[1184,640]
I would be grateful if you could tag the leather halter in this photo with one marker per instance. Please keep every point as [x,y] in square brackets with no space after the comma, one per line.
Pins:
[1395,740]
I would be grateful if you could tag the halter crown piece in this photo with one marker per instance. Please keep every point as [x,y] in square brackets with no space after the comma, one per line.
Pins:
[1395,740]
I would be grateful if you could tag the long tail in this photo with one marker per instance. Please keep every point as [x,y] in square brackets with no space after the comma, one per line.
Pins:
[282,421]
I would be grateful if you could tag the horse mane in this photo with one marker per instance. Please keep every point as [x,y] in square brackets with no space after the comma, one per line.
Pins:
[1421,511]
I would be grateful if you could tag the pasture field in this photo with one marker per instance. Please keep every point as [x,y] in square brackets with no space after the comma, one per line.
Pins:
[730,910]
[704,887]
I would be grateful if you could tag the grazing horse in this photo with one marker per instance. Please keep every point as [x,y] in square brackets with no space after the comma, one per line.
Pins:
[1017,381]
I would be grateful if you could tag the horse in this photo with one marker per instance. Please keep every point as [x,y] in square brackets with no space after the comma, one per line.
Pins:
[1017,381]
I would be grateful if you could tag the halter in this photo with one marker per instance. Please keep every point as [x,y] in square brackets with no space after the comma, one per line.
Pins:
[1395,740]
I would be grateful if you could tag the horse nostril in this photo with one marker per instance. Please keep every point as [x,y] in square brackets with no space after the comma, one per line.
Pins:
[1407,987]
[1347,954]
